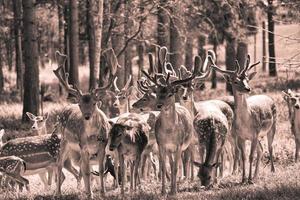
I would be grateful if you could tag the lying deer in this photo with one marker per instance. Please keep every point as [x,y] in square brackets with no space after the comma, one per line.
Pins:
[254,117]
[292,99]
[85,126]
[129,135]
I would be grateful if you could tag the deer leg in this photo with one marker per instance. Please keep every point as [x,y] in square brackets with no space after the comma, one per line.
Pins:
[85,169]
[252,150]
[136,170]
[101,157]
[297,143]
[162,160]
[60,161]
[259,155]
[143,165]
[43,177]
[185,162]
[241,145]
[153,164]
[122,169]
[270,138]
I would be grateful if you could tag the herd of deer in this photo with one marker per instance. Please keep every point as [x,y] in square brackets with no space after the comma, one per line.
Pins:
[165,122]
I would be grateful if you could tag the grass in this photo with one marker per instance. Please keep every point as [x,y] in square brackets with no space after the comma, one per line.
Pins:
[283,184]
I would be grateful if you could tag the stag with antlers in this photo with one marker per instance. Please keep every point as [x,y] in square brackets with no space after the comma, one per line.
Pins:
[254,117]
[85,126]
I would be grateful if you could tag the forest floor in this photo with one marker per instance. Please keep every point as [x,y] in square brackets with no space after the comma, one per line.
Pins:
[283,184]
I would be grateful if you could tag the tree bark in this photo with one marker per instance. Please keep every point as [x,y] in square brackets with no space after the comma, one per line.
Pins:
[31,76]
[189,52]
[127,31]
[230,59]
[201,51]
[104,39]
[61,48]
[162,27]
[73,44]
[1,71]
[17,8]
[67,34]
[176,45]
[241,53]
[272,60]
[214,73]
[95,19]
[264,51]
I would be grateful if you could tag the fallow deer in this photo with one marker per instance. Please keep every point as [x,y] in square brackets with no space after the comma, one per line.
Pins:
[254,117]
[39,123]
[173,128]
[12,169]
[293,101]
[39,152]
[85,126]
[129,135]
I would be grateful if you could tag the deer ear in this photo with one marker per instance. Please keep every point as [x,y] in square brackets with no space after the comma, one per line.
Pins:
[46,116]
[30,115]
[197,164]
[251,76]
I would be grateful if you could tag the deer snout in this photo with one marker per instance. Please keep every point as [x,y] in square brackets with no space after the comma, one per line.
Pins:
[33,128]
[87,116]
[159,106]
[185,98]
[111,147]
[297,106]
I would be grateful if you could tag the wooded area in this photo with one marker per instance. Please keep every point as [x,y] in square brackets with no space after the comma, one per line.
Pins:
[32,30]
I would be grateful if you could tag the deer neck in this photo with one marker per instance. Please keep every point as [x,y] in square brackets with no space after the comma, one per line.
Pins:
[296,117]
[124,108]
[241,111]
[190,105]
[169,115]
[42,131]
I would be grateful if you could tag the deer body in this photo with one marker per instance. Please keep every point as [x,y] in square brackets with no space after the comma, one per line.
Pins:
[254,117]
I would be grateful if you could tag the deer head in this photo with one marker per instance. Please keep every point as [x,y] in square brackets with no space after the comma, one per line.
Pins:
[122,96]
[292,98]
[206,173]
[239,78]
[86,101]
[39,122]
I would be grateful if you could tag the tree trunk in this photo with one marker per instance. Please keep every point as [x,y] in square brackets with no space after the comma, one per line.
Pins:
[264,51]
[127,30]
[31,76]
[61,48]
[230,59]
[1,71]
[176,45]
[9,53]
[104,39]
[189,52]
[214,73]
[17,8]
[73,44]
[117,40]
[95,19]
[162,27]
[241,53]
[67,34]
[201,51]
[272,60]
[140,46]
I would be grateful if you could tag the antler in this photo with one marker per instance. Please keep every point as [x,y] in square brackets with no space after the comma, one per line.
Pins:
[247,63]
[115,85]
[228,72]
[61,58]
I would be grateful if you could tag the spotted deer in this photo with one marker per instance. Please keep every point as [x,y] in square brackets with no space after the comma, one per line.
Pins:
[129,135]
[39,123]
[12,169]
[293,101]
[173,127]
[85,126]
[254,116]
[39,152]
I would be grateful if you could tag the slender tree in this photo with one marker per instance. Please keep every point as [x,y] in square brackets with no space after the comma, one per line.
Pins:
[264,51]
[272,60]
[189,52]
[95,20]
[31,76]
[74,42]
[17,8]
[128,24]
[230,55]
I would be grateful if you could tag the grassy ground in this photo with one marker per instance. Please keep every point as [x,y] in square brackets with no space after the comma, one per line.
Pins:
[283,184]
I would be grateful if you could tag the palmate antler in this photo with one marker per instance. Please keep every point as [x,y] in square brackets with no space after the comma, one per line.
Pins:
[63,76]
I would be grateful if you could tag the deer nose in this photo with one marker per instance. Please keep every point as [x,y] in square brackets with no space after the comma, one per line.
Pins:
[33,128]
[248,89]
[184,98]
[111,147]
[87,117]
[159,106]
[297,106]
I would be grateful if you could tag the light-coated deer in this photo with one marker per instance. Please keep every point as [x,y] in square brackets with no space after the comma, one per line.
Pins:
[173,128]
[12,169]
[85,126]
[129,135]
[254,117]
[39,123]
[39,152]
[293,101]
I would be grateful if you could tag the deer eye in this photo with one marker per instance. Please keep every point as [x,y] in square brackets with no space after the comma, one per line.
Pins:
[123,97]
